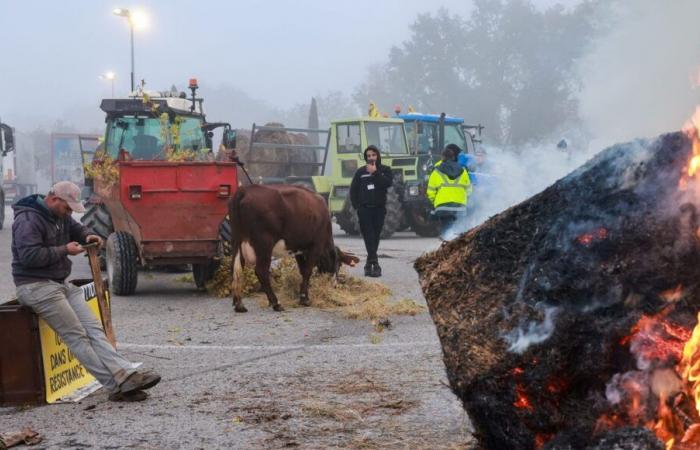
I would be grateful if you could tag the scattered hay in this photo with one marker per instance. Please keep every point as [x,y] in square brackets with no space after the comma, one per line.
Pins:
[220,284]
[186,278]
[356,298]
[331,411]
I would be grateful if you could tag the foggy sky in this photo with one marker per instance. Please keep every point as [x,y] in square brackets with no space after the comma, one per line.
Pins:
[643,77]
[281,52]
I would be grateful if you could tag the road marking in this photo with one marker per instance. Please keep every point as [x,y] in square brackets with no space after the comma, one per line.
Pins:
[127,346]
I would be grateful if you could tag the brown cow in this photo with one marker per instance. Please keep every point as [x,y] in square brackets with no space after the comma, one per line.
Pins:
[279,220]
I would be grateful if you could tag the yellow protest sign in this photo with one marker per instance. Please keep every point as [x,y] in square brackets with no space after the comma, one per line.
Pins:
[63,373]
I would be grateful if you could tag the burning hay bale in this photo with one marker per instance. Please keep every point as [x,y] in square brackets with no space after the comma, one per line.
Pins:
[566,320]
[355,297]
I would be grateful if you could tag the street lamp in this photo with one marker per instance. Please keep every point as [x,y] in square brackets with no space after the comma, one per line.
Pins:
[134,18]
[109,76]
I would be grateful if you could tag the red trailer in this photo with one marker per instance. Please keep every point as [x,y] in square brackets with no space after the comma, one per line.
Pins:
[160,210]
[166,213]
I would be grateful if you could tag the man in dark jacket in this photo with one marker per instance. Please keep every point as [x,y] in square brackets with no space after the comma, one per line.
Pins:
[368,197]
[43,235]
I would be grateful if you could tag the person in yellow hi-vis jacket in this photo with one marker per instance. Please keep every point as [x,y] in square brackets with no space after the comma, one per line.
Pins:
[448,190]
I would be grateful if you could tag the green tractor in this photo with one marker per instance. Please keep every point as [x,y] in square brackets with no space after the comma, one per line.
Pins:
[347,141]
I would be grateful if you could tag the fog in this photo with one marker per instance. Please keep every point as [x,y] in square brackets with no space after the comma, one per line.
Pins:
[642,78]
[593,73]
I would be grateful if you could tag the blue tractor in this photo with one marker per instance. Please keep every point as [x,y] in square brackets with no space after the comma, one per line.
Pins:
[427,135]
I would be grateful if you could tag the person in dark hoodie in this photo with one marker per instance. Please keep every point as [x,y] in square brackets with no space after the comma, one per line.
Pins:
[368,197]
[43,236]
[448,190]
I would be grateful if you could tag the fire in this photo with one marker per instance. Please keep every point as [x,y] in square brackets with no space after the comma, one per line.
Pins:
[587,239]
[657,340]
[690,128]
[690,364]
[670,356]
[521,401]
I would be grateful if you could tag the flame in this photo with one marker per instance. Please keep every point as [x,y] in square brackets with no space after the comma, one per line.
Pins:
[690,128]
[690,364]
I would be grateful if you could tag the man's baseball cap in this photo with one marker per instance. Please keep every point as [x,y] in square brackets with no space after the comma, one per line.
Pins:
[69,192]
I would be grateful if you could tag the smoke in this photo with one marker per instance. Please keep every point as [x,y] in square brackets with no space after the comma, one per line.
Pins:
[507,178]
[640,78]
[533,332]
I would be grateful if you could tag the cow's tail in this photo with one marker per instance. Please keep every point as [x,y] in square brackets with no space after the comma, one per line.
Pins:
[237,261]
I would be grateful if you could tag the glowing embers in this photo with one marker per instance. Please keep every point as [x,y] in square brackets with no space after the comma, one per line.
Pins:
[586,239]
[521,399]
[663,395]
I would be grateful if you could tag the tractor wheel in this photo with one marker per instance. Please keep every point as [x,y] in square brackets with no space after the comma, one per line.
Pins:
[347,219]
[203,273]
[97,219]
[122,263]
[394,214]
[422,225]
[2,210]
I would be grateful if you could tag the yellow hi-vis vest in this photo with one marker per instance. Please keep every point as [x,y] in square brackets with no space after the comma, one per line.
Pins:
[442,190]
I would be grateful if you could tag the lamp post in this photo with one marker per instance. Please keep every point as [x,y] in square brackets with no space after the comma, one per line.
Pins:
[110,76]
[127,14]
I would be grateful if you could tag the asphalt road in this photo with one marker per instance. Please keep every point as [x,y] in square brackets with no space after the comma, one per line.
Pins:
[301,378]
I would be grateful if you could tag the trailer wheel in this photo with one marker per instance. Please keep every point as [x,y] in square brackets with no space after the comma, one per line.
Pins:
[97,218]
[122,263]
[347,219]
[203,273]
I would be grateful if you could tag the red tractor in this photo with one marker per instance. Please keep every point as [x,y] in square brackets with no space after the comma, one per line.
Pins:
[160,195]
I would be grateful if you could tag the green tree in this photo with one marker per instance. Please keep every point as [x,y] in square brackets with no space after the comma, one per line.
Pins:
[510,66]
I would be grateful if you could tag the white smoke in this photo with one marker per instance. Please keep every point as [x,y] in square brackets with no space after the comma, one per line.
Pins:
[508,177]
[640,79]
[533,332]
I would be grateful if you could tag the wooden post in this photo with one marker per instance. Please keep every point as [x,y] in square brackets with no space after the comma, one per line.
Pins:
[105,310]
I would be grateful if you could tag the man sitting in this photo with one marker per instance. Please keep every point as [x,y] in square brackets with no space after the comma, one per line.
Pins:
[43,235]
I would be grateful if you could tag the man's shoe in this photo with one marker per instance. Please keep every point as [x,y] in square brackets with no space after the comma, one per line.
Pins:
[139,381]
[368,270]
[133,396]
[376,270]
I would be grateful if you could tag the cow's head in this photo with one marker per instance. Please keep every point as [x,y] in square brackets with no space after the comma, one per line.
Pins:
[332,260]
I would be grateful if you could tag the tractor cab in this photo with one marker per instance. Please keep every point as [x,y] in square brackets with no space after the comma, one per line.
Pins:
[423,132]
[147,132]
[153,125]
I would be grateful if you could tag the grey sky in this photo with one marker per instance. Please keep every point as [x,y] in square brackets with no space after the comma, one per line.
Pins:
[281,52]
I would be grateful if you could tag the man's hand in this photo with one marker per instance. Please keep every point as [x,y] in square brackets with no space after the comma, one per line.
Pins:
[371,168]
[95,238]
[74,248]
